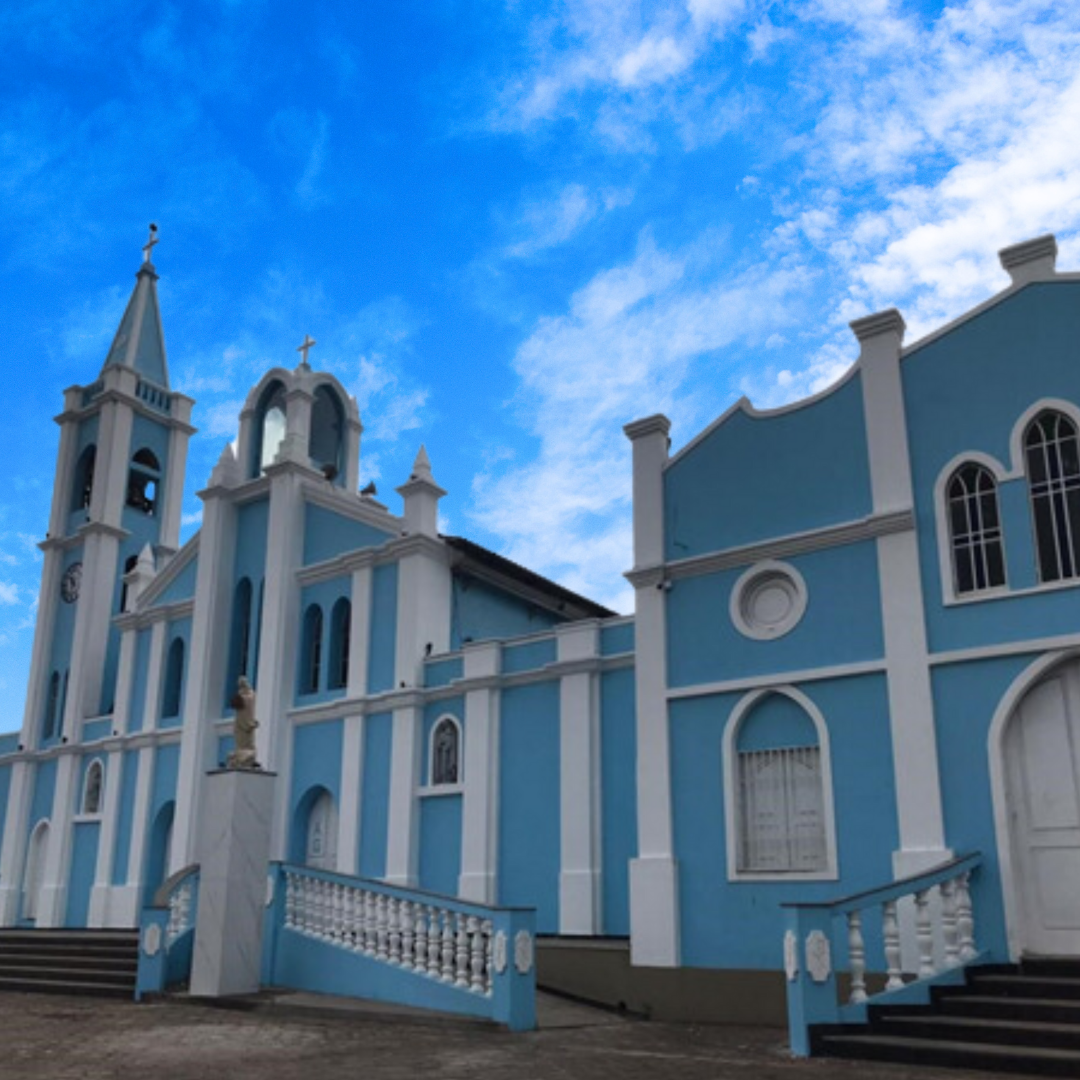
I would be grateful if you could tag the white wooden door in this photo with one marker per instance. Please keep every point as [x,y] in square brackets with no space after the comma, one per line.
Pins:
[322,834]
[1042,749]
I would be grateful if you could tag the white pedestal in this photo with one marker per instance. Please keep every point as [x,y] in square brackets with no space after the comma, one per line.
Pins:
[234,849]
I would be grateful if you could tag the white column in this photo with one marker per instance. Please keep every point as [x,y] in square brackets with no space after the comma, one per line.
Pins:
[654,880]
[172,505]
[480,803]
[65,462]
[359,632]
[13,848]
[579,788]
[124,899]
[125,677]
[43,635]
[99,895]
[403,825]
[52,903]
[911,707]
[155,663]
[352,770]
[423,611]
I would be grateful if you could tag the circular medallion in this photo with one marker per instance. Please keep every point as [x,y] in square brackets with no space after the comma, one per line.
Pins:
[70,583]
[768,600]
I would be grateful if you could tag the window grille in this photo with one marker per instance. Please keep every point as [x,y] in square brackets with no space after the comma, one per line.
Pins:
[975,530]
[1052,451]
[781,811]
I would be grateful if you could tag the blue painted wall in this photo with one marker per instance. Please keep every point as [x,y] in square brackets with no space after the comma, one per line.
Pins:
[84,852]
[375,794]
[183,587]
[326,594]
[252,520]
[383,636]
[529,843]
[162,805]
[93,730]
[440,843]
[773,723]
[756,478]
[41,804]
[317,750]
[178,630]
[327,534]
[480,612]
[617,639]
[530,656]
[842,623]
[856,714]
[443,672]
[60,650]
[1034,332]
[618,810]
[129,775]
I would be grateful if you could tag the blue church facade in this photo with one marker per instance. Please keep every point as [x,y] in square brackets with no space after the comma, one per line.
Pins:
[855,656]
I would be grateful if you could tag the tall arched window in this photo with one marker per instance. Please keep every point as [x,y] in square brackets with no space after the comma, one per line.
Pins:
[52,705]
[174,680]
[83,486]
[240,642]
[1052,453]
[325,445]
[445,752]
[975,529]
[269,426]
[143,479]
[311,652]
[340,627]
[91,800]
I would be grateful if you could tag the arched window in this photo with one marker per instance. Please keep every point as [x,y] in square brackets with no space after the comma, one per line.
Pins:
[340,628]
[1052,453]
[326,442]
[174,679]
[143,479]
[778,788]
[83,486]
[91,800]
[446,752]
[129,564]
[52,704]
[240,642]
[269,427]
[311,652]
[975,529]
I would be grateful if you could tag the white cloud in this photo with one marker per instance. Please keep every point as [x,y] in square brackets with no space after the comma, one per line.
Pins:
[222,419]
[193,519]
[386,407]
[553,222]
[9,594]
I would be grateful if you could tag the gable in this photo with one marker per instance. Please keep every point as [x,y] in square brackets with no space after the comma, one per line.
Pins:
[328,534]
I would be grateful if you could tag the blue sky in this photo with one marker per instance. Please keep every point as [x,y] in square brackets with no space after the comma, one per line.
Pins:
[511,226]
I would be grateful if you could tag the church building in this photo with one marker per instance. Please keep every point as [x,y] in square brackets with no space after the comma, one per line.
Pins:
[854,659]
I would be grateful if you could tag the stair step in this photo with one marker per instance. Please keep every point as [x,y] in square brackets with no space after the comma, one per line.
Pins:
[62,986]
[98,962]
[1050,1010]
[1038,1060]
[31,972]
[980,1029]
[92,956]
[1020,985]
[1067,967]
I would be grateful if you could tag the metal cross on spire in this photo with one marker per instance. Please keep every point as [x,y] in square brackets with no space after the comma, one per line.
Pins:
[149,245]
[309,341]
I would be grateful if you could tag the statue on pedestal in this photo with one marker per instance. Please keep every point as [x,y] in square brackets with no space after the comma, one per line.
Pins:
[243,755]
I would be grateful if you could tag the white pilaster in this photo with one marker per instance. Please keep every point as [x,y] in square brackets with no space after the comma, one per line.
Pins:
[13,849]
[172,505]
[579,788]
[423,614]
[911,708]
[124,900]
[65,463]
[403,825]
[99,896]
[352,769]
[359,632]
[52,903]
[654,902]
[125,678]
[479,816]
[155,664]
[40,656]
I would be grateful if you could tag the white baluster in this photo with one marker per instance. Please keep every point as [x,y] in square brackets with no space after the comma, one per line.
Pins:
[924,933]
[489,949]
[421,938]
[382,935]
[394,925]
[857,957]
[370,935]
[965,921]
[434,944]
[406,914]
[949,929]
[890,929]
[476,955]
[461,952]
[290,902]
[447,972]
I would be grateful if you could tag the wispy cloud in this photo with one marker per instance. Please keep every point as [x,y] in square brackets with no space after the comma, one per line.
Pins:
[551,222]
[9,594]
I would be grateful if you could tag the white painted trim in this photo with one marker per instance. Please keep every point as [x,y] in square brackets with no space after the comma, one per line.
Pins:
[140,819]
[768,568]
[82,814]
[1009,648]
[480,802]
[351,804]
[53,899]
[359,633]
[1016,436]
[1009,594]
[430,791]
[403,818]
[155,665]
[14,841]
[777,678]
[995,748]
[168,574]
[98,914]
[429,780]
[731,787]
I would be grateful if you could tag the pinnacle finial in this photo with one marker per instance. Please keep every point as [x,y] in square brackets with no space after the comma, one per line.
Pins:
[303,350]
[422,465]
[148,247]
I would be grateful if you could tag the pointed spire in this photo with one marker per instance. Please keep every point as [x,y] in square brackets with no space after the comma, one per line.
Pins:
[421,469]
[140,340]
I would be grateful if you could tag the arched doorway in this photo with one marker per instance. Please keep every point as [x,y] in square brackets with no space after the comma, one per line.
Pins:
[34,874]
[160,849]
[315,830]
[1041,775]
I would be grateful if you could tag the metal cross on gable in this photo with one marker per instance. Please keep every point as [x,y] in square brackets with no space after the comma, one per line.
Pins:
[309,341]
[149,245]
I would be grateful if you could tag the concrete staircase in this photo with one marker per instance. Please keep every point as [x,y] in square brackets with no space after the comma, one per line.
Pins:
[1021,1019]
[100,962]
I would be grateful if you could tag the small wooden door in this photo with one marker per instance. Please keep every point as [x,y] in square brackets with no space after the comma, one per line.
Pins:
[35,870]
[321,852]
[1042,749]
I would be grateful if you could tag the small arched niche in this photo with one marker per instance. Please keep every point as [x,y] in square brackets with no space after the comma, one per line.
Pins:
[269,427]
[82,488]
